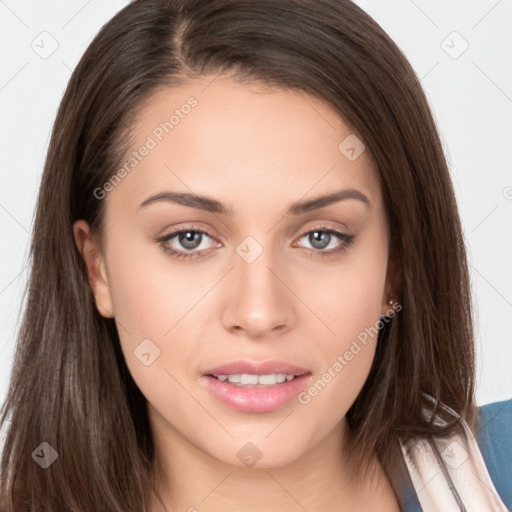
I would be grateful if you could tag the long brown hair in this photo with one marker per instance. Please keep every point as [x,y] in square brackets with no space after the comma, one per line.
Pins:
[70,386]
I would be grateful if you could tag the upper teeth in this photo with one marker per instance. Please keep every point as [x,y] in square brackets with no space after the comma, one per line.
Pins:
[246,378]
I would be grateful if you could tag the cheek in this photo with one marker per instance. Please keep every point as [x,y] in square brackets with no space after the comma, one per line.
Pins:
[150,292]
[347,295]
[348,300]
[152,300]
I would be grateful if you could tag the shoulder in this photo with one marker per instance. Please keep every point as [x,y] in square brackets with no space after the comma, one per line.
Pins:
[494,439]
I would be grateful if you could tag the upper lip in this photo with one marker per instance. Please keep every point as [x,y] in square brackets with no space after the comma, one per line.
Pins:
[257,368]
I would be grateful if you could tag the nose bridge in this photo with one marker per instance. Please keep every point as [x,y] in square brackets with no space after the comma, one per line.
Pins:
[260,302]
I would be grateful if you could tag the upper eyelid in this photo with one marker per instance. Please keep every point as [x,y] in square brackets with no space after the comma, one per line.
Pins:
[320,227]
[172,233]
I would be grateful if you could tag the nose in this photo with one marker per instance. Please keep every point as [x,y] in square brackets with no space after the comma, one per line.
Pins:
[259,302]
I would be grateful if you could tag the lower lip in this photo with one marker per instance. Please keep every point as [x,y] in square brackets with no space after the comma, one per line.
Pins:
[253,399]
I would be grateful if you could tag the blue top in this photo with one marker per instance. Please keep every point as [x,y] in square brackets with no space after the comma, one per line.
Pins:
[495,443]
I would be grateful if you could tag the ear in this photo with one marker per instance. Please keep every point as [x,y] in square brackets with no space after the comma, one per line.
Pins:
[91,253]
[393,279]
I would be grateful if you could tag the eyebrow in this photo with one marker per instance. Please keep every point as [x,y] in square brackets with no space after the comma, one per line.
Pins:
[209,204]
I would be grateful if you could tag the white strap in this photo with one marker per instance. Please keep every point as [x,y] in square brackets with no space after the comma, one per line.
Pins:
[449,473]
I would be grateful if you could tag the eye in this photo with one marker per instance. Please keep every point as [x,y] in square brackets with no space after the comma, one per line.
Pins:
[186,242]
[190,241]
[321,238]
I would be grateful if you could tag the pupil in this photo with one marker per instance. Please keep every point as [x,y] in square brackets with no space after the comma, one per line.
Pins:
[189,239]
[319,239]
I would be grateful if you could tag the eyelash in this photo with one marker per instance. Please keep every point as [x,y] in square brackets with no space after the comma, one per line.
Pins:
[347,241]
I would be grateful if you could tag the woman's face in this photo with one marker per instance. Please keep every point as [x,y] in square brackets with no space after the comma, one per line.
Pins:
[258,273]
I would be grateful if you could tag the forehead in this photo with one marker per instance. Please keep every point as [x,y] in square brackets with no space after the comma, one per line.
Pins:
[244,144]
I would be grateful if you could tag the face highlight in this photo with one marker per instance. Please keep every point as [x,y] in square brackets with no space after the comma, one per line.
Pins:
[243,234]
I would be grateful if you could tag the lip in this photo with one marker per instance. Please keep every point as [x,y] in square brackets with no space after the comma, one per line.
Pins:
[256,399]
[253,399]
[257,368]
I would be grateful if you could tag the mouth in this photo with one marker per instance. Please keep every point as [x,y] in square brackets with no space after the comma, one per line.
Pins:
[251,369]
[248,380]
[249,386]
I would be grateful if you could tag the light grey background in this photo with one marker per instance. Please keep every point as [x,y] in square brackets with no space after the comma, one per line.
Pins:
[470,91]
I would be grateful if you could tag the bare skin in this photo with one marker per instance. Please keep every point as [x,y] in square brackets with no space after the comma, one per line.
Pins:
[257,151]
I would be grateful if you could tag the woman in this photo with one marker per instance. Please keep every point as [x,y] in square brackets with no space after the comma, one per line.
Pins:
[249,287]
